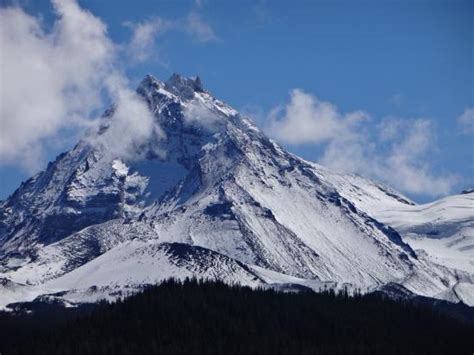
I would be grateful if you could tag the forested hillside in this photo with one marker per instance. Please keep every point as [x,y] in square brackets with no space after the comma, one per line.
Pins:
[212,318]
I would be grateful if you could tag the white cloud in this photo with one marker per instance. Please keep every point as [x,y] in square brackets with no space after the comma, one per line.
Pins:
[466,121]
[305,119]
[405,164]
[396,152]
[53,79]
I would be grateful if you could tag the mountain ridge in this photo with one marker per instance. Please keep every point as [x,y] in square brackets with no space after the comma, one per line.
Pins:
[216,182]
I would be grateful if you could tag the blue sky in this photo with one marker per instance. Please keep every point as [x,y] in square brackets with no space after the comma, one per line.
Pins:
[403,64]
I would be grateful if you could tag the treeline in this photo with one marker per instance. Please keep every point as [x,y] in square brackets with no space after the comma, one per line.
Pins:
[212,318]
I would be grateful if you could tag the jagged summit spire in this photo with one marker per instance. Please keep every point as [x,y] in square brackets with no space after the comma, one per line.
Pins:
[184,86]
[150,81]
[179,85]
[150,77]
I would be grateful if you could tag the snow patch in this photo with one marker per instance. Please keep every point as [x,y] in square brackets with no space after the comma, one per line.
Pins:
[120,167]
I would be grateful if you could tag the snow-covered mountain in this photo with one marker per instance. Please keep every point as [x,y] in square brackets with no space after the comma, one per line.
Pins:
[217,199]
[443,231]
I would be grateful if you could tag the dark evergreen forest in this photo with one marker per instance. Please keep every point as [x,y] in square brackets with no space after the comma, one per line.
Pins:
[212,318]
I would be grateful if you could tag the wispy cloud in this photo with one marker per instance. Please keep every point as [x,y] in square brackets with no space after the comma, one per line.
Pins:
[261,14]
[198,115]
[142,43]
[145,34]
[397,99]
[466,121]
[396,152]
[199,29]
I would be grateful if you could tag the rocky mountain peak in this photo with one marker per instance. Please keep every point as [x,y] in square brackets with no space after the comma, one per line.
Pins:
[184,87]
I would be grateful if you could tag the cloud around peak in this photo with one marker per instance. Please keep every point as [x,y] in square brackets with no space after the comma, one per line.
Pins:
[54,80]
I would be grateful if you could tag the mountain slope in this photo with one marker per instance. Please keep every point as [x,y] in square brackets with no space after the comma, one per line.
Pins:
[237,205]
[442,231]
